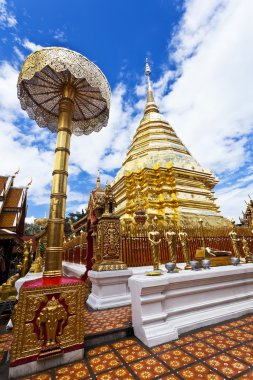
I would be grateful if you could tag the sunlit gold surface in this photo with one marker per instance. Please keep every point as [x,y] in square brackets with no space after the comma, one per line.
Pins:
[171,181]
[59,187]
[44,74]
[34,309]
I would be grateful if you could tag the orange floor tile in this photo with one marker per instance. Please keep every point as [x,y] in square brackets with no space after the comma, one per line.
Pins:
[220,352]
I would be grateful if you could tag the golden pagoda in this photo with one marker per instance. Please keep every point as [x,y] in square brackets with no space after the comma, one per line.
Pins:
[172,184]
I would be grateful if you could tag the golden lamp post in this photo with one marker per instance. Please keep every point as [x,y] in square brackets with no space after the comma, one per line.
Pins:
[65,92]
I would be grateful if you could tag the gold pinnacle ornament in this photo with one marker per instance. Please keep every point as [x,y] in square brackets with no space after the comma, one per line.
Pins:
[65,92]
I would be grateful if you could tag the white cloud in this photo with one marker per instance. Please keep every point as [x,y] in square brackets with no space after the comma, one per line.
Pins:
[9,103]
[19,141]
[29,45]
[106,150]
[231,199]
[211,99]
[30,219]
[210,102]
[19,53]
[7,18]
[60,35]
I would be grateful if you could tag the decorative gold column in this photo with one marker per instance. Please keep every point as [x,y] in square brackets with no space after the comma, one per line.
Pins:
[53,262]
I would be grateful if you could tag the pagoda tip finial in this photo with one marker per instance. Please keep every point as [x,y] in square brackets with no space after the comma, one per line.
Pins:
[147,68]
[150,105]
[98,180]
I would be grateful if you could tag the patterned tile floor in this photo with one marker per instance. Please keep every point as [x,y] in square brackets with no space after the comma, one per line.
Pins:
[107,320]
[223,351]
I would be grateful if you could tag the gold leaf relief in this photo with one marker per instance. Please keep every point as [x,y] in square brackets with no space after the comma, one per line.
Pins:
[31,344]
[70,298]
[69,333]
[33,303]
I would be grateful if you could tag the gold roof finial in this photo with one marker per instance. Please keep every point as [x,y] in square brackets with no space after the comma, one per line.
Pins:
[150,104]
[29,184]
[98,183]
[16,173]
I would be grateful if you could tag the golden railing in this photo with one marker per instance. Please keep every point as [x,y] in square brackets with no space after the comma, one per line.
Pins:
[136,249]
[75,249]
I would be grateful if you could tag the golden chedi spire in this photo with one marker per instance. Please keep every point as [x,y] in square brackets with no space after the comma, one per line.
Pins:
[172,183]
[150,104]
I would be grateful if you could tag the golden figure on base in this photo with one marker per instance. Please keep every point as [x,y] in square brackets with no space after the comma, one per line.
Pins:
[171,238]
[236,245]
[154,238]
[184,242]
[246,250]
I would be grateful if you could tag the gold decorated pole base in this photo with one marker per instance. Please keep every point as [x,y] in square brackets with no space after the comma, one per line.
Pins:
[187,266]
[48,321]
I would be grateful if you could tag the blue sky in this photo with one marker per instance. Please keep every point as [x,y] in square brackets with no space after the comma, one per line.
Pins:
[201,60]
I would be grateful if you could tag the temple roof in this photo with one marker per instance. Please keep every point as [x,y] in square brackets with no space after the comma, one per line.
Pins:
[12,206]
[8,220]
[14,197]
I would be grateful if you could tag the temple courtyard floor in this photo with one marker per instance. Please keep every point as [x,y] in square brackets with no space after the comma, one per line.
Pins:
[221,351]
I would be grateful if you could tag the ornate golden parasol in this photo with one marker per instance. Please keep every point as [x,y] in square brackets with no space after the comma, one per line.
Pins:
[65,92]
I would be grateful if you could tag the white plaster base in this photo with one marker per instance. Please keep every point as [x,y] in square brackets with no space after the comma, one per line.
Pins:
[42,365]
[109,289]
[73,269]
[165,306]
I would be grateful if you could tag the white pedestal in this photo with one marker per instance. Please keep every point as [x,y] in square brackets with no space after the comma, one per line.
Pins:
[109,289]
[165,306]
[73,269]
